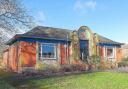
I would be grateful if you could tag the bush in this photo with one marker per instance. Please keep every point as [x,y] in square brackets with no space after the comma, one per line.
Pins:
[123,63]
[93,62]
[72,68]
[48,69]
[66,68]
[125,59]
[107,64]
[79,67]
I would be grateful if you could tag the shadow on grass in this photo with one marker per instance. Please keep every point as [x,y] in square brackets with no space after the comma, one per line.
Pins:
[15,81]
[4,84]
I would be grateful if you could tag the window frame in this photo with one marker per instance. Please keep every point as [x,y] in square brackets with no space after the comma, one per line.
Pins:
[113,53]
[55,51]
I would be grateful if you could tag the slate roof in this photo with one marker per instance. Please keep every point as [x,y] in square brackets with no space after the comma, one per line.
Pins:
[48,32]
[43,32]
[103,39]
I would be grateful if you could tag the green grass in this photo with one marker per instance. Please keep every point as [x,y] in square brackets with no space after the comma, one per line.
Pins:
[97,80]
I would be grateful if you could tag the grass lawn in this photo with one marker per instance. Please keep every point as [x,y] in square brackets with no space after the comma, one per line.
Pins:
[97,80]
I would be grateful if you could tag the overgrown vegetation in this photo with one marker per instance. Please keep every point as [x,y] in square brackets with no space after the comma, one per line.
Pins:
[123,62]
[108,64]
[93,63]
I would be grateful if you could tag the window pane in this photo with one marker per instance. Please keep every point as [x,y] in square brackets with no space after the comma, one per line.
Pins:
[39,49]
[110,53]
[48,51]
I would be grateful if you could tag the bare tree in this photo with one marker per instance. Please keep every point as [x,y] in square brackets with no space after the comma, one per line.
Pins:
[13,15]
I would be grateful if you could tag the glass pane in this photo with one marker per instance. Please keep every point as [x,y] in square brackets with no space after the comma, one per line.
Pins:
[48,50]
[39,51]
[110,52]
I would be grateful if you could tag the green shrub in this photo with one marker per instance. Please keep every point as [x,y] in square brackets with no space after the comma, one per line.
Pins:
[123,63]
[125,59]
[74,67]
[43,67]
[79,67]
[93,62]
[66,68]
[105,64]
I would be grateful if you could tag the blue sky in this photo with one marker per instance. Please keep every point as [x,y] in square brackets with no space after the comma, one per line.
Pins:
[106,17]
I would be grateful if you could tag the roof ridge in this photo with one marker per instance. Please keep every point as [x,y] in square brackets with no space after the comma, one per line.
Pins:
[53,28]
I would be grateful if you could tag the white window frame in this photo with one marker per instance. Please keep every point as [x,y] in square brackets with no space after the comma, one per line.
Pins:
[113,52]
[55,51]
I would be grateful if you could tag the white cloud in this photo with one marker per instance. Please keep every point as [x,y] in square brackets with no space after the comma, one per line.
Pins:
[40,18]
[85,6]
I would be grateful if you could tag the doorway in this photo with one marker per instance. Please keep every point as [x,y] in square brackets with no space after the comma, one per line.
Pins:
[84,52]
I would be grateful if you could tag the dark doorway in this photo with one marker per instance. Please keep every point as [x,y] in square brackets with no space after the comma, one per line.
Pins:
[84,52]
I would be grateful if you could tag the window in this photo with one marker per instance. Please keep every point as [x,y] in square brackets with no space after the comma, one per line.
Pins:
[110,52]
[48,51]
